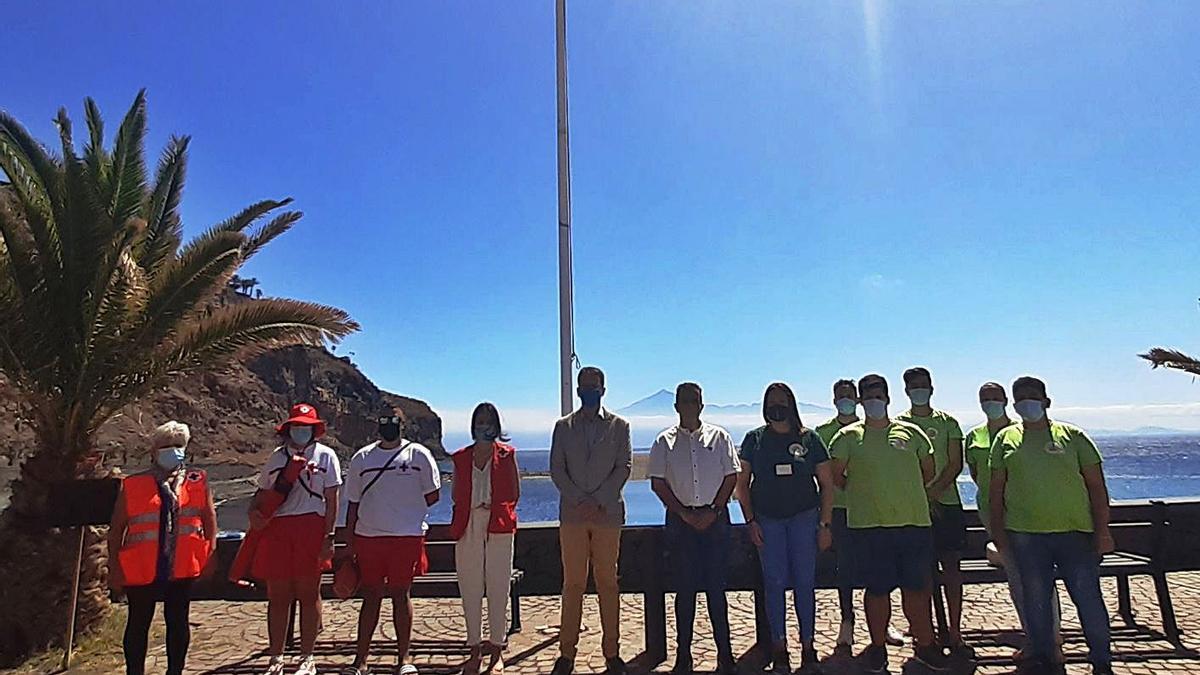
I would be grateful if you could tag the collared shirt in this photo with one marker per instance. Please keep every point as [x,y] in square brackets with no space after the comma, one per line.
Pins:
[694,463]
[590,458]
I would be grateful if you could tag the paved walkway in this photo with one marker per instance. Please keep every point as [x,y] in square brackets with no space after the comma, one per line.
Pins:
[228,637]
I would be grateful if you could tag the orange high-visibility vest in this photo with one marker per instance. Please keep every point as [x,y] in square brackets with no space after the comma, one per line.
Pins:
[139,552]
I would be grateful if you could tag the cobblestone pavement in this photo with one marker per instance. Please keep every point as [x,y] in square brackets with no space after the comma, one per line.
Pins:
[229,637]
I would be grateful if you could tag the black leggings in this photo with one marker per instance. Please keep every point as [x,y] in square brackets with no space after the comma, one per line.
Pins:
[176,598]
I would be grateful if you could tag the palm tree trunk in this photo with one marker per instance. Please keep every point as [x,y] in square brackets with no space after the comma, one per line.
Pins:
[37,563]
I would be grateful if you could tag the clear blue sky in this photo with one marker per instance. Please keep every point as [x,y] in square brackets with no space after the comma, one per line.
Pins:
[768,190]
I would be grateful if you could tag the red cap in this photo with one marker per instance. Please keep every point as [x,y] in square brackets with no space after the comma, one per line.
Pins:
[303,413]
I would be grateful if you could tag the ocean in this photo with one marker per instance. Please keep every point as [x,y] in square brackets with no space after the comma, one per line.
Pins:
[1137,467]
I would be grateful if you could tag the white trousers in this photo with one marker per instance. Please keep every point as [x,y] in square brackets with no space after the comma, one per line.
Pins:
[484,562]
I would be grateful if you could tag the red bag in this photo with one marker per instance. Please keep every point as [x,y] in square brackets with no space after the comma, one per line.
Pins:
[239,571]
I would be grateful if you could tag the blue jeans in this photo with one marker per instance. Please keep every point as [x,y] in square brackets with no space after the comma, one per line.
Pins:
[789,559]
[1074,556]
[699,563]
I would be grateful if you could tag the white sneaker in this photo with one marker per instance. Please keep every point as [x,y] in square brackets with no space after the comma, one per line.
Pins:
[846,634]
[275,666]
[894,637]
[306,666]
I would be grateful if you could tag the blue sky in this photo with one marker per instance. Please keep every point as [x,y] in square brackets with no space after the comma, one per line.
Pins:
[768,190]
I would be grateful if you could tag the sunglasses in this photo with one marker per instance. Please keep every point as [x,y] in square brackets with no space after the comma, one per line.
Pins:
[389,420]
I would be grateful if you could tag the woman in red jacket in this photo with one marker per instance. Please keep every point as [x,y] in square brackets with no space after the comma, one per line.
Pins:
[486,489]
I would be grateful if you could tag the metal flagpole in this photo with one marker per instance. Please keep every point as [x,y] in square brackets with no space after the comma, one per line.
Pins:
[566,300]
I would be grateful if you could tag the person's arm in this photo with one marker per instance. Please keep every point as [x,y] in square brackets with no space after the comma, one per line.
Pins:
[1093,478]
[116,537]
[516,479]
[208,520]
[743,497]
[725,491]
[837,473]
[558,467]
[433,488]
[950,472]
[663,491]
[331,511]
[351,523]
[609,491]
[826,484]
[997,508]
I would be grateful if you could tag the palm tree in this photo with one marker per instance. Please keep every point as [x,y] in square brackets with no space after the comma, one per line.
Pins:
[1170,358]
[101,301]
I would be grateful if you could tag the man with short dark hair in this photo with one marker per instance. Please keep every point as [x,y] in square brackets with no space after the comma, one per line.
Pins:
[590,458]
[883,465]
[949,524]
[1049,505]
[693,469]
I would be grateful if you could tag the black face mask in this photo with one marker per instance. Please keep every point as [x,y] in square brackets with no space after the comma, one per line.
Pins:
[777,413]
[389,432]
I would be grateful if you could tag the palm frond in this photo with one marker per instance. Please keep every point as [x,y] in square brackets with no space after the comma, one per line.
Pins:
[1160,357]
[32,173]
[263,236]
[97,160]
[182,285]
[164,230]
[22,264]
[128,180]
[249,215]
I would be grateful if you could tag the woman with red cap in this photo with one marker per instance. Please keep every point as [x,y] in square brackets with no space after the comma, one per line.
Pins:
[298,536]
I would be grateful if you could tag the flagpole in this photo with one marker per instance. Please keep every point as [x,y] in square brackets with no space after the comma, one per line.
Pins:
[566,300]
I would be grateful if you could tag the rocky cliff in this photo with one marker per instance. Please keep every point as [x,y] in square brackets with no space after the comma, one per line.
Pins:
[233,411]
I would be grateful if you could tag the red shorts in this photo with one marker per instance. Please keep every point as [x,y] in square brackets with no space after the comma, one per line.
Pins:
[390,561]
[290,548]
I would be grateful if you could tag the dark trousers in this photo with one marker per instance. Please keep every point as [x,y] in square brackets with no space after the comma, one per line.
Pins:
[699,562]
[1073,556]
[176,599]
[845,564]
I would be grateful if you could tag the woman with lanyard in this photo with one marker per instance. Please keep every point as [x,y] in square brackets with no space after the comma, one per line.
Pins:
[162,534]
[487,486]
[297,538]
[785,489]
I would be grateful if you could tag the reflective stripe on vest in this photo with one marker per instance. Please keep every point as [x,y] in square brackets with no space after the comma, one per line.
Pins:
[138,557]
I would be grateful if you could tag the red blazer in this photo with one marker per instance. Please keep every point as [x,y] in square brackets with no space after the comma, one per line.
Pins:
[504,496]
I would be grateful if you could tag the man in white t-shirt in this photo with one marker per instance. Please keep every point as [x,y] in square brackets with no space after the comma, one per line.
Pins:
[297,538]
[391,485]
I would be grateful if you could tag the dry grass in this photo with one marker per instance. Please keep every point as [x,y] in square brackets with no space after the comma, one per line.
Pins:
[96,654]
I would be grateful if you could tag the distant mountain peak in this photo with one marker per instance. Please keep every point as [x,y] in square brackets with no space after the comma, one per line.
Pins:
[662,403]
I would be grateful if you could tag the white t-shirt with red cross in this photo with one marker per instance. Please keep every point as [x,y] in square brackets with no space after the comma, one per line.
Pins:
[395,505]
[308,493]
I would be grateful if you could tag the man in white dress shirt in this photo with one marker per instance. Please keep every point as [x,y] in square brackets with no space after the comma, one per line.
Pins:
[693,470]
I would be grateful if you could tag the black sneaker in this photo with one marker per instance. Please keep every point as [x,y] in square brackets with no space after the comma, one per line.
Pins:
[874,659]
[563,666]
[781,663]
[683,665]
[810,663]
[614,666]
[962,652]
[726,664]
[932,657]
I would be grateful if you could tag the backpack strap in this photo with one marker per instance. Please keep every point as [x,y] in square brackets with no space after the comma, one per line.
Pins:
[379,472]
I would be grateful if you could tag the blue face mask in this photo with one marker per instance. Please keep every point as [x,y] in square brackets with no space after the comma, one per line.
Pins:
[170,458]
[845,406]
[875,408]
[300,434]
[590,397]
[1030,410]
[993,409]
[920,396]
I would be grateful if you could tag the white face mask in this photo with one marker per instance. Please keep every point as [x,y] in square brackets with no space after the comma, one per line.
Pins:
[920,396]
[993,409]
[845,406]
[875,408]
[1030,410]
[300,434]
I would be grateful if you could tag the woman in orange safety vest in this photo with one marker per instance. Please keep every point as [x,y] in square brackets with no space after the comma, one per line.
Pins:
[161,539]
